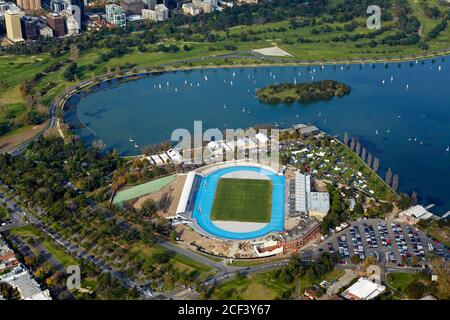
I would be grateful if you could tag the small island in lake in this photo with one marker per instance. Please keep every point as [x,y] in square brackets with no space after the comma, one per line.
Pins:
[303,92]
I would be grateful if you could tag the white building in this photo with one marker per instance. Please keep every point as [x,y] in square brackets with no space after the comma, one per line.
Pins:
[191,9]
[160,13]
[72,24]
[115,15]
[363,289]
[29,289]
[414,214]
[305,200]
[46,32]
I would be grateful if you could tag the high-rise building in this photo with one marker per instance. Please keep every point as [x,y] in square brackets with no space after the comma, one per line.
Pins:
[132,6]
[29,4]
[58,5]
[2,24]
[80,4]
[13,27]
[150,4]
[115,15]
[30,28]
[160,13]
[170,4]
[57,23]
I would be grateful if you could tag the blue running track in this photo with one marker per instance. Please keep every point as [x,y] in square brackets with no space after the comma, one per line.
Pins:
[205,196]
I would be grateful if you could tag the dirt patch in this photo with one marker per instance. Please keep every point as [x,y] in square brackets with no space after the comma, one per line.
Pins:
[173,189]
[9,142]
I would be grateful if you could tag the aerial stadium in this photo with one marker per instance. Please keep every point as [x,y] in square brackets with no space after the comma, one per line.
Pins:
[234,201]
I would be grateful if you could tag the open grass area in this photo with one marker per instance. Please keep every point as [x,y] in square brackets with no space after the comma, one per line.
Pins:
[57,251]
[245,200]
[149,255]
[256,287]
[400,280]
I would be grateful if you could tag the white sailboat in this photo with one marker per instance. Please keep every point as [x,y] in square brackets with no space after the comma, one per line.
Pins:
[407,87]
[206,78]
[231,83]
[234,74]
[376,131]
[448,149]
[392,78]
[388,130]
[382,82]
[131,140]
[440,68]
[135,145]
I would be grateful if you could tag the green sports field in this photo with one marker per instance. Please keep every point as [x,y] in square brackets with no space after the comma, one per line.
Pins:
[243,200]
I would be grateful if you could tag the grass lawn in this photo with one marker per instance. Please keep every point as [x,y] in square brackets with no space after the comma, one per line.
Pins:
[243,200]
[256,287]
[180,262]
[400,280]
[57,251]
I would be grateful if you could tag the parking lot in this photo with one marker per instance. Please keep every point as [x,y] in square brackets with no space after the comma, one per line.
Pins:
[389,242]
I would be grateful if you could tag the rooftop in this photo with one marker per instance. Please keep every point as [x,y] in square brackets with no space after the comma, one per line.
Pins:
[363,289]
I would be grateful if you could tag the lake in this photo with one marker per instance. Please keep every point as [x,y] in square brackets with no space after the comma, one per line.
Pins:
[404,121]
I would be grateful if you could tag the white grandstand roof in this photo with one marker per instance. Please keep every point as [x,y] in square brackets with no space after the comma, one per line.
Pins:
[184,198]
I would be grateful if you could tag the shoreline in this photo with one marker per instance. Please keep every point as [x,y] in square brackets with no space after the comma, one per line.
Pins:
[60,101]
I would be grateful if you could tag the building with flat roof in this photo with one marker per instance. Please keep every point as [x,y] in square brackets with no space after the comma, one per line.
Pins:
[306,231]
[191,9]
[29,289]
[13,26]
[415,214]
[132,6]
[29,5]
[116,15]
[57,23]
[30,27]
[305,200]
[159,13]
[363,289]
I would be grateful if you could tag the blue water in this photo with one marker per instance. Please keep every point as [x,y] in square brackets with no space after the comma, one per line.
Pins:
[205,196]
[138,110]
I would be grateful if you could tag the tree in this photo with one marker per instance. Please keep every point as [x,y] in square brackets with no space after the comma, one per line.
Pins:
[346,138]
[376,165]
[118,71]
[148,207]
[74,53]
[358,148]
[98,145]
[415,290]
[388,178]
[352,144]
[363,154]
[369,160]
[414,198]
[395,183]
